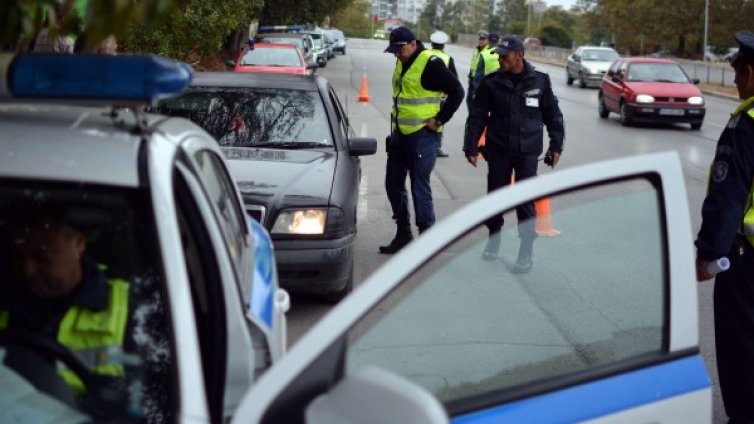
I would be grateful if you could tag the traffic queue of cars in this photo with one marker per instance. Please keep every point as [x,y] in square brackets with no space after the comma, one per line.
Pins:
[639,89]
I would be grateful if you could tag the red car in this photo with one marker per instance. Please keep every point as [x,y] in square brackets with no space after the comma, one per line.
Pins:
[271,58]
[650,90]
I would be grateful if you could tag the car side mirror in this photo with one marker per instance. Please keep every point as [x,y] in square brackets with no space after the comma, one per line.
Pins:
[577,59]
[381,396]
[695,81]
[312,66]
[617,78]
[362,146]
[230,63]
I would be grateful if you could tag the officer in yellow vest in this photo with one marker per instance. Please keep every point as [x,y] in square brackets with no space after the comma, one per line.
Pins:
[438,39]
[728,231]
[481,45]
[487,64]
[55,290]
[419,81]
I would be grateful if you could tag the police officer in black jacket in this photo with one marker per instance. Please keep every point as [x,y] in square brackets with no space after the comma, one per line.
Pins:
[728,231]
[513,104]
[419,80]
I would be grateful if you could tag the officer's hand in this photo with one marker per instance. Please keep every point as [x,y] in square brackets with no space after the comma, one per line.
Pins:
[472,160]
[701,270]
[432,124]
[555,158]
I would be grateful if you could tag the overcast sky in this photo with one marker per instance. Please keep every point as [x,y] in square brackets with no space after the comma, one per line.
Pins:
[566,4]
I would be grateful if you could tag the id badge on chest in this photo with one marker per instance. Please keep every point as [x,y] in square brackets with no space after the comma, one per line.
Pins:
[532,102]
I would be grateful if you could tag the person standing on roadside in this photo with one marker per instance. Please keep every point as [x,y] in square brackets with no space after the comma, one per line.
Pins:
[438,39]
[514,103]
[487,63]
[60,43]
[419,81]
[481,45]
[727,230]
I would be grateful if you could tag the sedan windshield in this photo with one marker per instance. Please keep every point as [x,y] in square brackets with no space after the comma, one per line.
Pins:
[270,57]
[255,117]
[656,72]
[600,55]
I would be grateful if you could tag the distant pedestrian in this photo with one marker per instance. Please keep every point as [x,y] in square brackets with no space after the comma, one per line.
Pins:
[419,81]
[487,63]
[438,39]
[45,42]
[483,40]
[513,104]
[728,231]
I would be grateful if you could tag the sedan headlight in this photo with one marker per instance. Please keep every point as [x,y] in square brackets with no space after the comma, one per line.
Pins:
[594,71]
[696,100]
[300,222]
[644,98]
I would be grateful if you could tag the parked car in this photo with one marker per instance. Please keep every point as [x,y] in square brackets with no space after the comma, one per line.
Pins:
[340,41]
[380,34]
[149,202]
[304,42]
[289,145]
[320,48]
[437,334]
[532,42]
[271,58]
[649,90]
[329,43]
[589,64]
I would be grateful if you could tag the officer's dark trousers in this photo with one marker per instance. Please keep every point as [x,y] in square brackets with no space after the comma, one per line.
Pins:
[500,168]
[734,334]
[412,155]
[469,96]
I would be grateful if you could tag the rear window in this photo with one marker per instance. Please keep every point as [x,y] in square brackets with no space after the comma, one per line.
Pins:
[600,55]
[298,42]
[656,72]
[271,57]
[254,117]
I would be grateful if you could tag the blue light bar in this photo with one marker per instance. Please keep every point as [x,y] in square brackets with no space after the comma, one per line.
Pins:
[96,77]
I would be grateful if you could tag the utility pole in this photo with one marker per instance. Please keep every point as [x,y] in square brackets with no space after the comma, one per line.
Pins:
[528,18]
[706,28]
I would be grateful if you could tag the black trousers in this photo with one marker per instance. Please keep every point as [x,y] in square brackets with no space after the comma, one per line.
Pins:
[734,333]
[500,168]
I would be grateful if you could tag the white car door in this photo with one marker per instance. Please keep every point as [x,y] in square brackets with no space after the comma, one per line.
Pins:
[602,329]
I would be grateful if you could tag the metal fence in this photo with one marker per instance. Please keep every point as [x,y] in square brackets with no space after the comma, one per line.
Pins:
[708,72]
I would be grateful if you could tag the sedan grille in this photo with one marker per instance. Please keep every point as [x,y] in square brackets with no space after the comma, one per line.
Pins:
[671,99]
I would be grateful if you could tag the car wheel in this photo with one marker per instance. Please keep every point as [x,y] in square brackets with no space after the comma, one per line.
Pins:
[696,125]
[602,108]
[569,80]
[344,51]
[624,119]
[335,297]
[582,83]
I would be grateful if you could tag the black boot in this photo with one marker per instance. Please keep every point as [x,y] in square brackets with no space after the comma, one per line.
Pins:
[402,238]
[524,262]
[492,247]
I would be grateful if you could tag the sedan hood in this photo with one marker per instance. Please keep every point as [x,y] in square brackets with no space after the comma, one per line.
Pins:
[665,89]
[282,178]
[598,65]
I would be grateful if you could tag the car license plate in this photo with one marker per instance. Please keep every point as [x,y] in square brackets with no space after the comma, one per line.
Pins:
[672,112]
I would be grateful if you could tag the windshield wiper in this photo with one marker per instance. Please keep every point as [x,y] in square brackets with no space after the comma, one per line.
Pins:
[665,80]
[287,144]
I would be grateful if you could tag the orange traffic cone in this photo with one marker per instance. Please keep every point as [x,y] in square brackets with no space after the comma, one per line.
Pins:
[544,218]
[364,93]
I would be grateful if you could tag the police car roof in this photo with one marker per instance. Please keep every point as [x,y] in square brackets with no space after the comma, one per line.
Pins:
[54,142]
[256,80]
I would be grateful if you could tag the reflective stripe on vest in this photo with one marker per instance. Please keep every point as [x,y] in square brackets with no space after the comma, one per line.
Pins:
[748,222]
[491,63]
[413,104]
[442,55]
[475,61]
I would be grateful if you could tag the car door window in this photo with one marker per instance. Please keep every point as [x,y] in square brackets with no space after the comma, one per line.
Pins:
[340,114]
[222,192]
[613,68]
[594,303]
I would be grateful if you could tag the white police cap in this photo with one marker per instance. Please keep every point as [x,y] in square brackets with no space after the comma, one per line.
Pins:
[439,37]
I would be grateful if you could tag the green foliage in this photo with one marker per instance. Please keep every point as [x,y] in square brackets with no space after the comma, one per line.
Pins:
[551,35]
[286,12]
[354,20]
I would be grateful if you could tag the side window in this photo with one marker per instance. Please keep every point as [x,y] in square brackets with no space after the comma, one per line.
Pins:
[594,302]
[222,193]
[622,70]
[613,68]
[340,114]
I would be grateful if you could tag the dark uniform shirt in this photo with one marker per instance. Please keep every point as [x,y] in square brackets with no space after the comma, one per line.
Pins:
[436,77]
[730,181]
[513,108]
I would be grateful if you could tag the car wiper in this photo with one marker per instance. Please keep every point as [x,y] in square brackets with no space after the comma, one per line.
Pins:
[664,80]
[287,144]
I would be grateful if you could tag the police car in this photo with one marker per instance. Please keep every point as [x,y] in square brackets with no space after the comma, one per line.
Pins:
[602,329]
[150,201]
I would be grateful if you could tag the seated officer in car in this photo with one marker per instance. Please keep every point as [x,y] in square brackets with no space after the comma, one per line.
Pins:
[54,290]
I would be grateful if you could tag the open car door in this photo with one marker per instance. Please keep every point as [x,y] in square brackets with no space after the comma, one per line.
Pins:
[602,329]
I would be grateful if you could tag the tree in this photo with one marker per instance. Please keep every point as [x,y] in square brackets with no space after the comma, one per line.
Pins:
[354,20]
[284,12]
[551,35]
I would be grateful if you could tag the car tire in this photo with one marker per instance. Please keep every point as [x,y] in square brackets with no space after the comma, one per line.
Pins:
[337,296]
[582,83]
[602,108]
[624,119]
[569,80]
[696,126]
[344,51]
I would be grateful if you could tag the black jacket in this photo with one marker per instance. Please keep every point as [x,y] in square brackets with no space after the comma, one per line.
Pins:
[514,114]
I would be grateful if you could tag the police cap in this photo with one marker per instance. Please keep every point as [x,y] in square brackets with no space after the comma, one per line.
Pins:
[439,37]
[745,41]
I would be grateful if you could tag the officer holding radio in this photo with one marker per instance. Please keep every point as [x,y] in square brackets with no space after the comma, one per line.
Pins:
[513,104]
[728,231]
